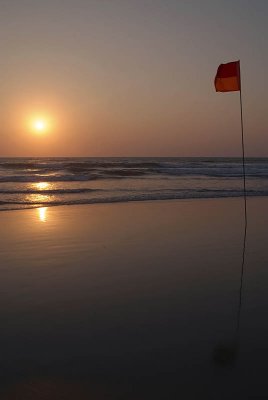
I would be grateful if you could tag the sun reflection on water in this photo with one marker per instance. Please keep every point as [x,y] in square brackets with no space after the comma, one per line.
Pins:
[42,212]
[41,185]
[40,193]
[38,198]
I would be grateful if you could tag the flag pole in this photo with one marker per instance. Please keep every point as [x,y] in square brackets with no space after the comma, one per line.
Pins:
[228,79]
[243,150]
[245,211]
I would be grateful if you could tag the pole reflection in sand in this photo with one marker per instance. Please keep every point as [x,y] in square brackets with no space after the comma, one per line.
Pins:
[225,354]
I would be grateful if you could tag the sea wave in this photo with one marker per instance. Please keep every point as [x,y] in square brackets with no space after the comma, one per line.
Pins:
[64,170]
[46,178]
[128,197]
[98,180]
[48,191]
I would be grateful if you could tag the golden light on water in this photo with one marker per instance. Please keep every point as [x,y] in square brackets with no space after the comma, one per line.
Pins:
[37,198]
[40,197]
[42,214]
[42,185]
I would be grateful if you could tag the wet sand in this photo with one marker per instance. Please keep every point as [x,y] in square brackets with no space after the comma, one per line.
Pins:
[132,301]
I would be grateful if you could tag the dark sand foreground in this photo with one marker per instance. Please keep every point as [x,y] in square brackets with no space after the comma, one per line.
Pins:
[134,301]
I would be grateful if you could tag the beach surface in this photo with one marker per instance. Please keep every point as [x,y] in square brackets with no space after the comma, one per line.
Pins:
[134,301]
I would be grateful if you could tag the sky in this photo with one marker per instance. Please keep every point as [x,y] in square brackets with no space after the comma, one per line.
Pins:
[131,77]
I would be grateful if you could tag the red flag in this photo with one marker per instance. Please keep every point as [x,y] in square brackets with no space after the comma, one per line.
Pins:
[228,77]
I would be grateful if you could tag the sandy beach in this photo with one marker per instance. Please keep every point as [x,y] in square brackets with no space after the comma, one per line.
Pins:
[126,301]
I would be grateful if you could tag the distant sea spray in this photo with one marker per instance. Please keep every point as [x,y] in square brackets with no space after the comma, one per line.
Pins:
[37,182]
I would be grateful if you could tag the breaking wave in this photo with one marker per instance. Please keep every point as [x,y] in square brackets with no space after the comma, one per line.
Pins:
[34,182]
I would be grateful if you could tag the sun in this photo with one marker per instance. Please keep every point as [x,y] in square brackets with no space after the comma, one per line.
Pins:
[39,125]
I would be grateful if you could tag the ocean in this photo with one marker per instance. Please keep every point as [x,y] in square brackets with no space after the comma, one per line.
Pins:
[43,182]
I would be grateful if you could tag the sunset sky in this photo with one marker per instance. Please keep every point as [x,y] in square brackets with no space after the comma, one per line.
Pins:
[131,77]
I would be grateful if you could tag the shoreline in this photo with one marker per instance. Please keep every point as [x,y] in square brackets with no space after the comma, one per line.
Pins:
[249,197]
